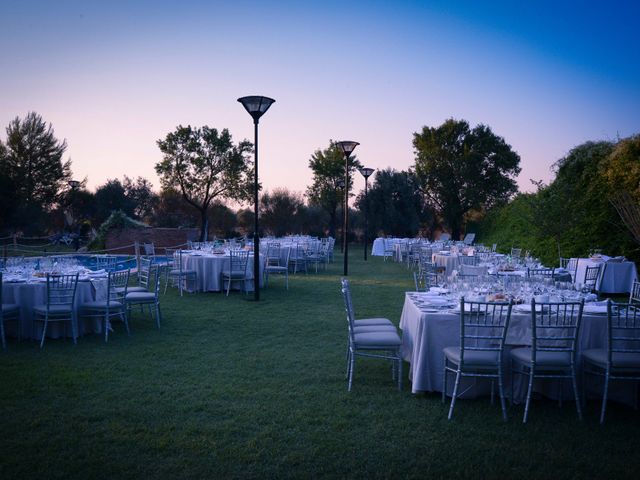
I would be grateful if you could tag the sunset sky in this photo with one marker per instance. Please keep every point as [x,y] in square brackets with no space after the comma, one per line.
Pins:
[113,77]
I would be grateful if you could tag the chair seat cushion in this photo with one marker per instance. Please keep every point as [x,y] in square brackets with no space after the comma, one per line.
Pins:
[374,328]
[543,359]
[473,358]
[234,274]
[184,272]
[275,269]
[139,297]
[10,308]
[374,340]
[372,321]
[598,356]
[131,289]
[101,305]
[53,309]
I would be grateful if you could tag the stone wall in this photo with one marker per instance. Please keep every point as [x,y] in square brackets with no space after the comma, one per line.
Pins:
[160,237]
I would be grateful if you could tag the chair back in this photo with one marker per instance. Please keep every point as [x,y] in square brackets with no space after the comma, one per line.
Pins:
[541,273]
[483,326]
[144,272]
[273,254]
[287,254]
[469,260]
[149,249]
[591,275]
[117,284]
[555,326]
[61,290]
[516,252]
[238,260]
[634,296]
[424,280]
[348,306]
[623,332]
[106,262]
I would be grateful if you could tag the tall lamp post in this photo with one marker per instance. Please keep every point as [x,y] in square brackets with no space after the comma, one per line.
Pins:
[256,106]
[347,147]
[366,173]
[340,184]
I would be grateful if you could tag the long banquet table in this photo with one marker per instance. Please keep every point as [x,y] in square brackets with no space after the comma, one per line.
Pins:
[426,334]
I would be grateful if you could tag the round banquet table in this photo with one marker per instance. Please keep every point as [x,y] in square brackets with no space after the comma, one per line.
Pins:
[209,268]
[29,294]
[450,261]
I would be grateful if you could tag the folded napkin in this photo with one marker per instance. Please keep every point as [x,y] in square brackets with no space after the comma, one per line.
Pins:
[98,272]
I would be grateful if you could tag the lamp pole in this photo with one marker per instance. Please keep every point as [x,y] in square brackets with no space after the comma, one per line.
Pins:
[366,173]
[347,147]
[256,106]
[340,184]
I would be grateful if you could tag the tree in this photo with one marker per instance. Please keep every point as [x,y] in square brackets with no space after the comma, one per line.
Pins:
[32,162]
[395,205]
[111,197]
[172,211]
[279,212]
[202,165]
[328,168]
[141,195]
[463,169]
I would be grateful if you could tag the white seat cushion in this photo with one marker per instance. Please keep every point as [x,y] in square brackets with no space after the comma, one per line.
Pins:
[374,328]
[10,308]
[53,310]
[140,297]
[373,340]
[598,356]
[543,359]
[473,358]
[372,321]
[101,305]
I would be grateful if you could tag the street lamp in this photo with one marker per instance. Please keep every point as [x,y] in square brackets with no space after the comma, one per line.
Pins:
[347,148]
[256,106]
[366,173]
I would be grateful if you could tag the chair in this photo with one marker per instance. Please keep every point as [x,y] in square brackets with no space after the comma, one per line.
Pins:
[150,299]
[149,249]
[179,275]
[378,339]
[298,258]
[389,249]
[469,238]
[516,252]
[540,273]
[571,265]
[8,312]
[113,305]
[634,296]
[483,329]
[237,270]
[277,263]
[494,248]
[620,360]
[424,280]
[315,255]
[106,262]
[61,295]
[591,276]
[554,329]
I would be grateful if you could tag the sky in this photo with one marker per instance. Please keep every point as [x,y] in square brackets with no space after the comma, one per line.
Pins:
[114,77]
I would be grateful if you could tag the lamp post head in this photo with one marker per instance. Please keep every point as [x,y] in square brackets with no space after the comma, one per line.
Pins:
[347,147]
[74,184]
[367,172]
[256,105]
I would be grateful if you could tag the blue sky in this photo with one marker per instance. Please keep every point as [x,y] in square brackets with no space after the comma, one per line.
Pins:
[113,77]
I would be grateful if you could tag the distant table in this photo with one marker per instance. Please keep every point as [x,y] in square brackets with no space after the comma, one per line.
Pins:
[615,277]
[209,268]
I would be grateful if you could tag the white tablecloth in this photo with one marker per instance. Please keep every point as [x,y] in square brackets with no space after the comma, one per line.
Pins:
[425,335]
[449,261]
[615,277]
[28,295]
[209,269]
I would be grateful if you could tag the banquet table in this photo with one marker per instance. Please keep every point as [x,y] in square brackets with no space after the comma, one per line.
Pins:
[377,249]
[426,333]
[28,294]
[615,277]
[209,267]
[450,261]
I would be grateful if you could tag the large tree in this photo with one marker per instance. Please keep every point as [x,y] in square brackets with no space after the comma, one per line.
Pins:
[463,169]
[204,164]
[112,197]
[328,169]
[280,210]
[395,205]
[31,162]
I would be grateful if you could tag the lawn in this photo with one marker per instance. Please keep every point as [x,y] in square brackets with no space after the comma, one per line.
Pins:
[231,388]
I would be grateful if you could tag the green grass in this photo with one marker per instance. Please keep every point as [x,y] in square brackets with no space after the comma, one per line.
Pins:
[231,388]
